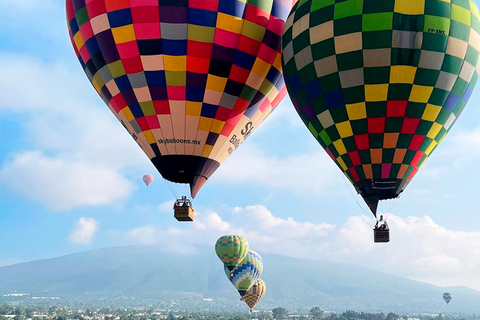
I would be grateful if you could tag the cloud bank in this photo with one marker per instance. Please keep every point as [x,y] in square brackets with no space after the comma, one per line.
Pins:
[420,249]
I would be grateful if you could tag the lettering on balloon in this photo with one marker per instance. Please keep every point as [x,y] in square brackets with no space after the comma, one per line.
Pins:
[246,132]
[436,31]
[134,135]
[183,141]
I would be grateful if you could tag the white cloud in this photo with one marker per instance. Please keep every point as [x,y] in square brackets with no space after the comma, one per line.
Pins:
[61,184]
[88,150]
[308,173]
[84,231]
[419,249]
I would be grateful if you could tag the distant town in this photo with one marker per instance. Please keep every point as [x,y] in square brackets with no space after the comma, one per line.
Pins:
[32,312]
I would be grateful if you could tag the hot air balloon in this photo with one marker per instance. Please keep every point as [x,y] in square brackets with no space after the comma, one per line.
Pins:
[231,250]
[189,80]
[447,296]
[255,294]
[380,83]
[147,179]
[247,272]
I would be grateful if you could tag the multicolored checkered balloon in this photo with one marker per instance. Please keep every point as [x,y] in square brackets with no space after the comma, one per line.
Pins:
[255,294]
[188,79]
[246,273]
[379,83]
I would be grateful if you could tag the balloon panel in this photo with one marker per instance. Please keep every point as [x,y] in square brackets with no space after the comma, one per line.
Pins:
[188,78]
[380,83]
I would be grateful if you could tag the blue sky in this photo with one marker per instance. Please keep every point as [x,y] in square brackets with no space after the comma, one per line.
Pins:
[70,177]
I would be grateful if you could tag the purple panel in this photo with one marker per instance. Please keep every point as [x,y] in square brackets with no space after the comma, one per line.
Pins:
[174,14]
[308,110]
[158,92]
[107,46]
[451,101]
[467,94]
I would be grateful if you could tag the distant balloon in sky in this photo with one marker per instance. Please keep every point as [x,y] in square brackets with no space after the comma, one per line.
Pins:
[231,250]
[147,179]
[189,80]
[447,296]
[380,83]
[255,294]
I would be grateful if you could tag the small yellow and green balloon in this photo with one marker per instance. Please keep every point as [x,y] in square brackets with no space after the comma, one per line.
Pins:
[243,267]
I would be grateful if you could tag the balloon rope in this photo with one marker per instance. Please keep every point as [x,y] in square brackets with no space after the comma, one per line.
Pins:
[171,190]
[353,196]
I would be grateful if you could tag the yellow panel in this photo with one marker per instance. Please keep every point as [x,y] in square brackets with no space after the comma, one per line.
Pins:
[260,67]
[175,63]
[431,112]
[376,92]
[123,34]
[215,83]
[128,114]
[420,94]
[205,124]
[356,111]
[217,126]
[206,150]
[402,74]
[474,9]
[77,38]
[344,129]
[230,23]
[410,6]
[341,163]
[277,63]
[340,147]
[149,135]
[193,108]
[430,148]
[434,130]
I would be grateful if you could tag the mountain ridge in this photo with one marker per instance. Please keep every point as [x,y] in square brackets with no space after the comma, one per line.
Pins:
[141,274]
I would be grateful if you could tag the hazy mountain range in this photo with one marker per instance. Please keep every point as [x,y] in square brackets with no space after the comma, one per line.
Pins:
[146,275]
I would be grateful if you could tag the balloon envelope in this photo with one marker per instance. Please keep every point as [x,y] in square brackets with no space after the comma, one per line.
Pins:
[147,179]
[247,272]
[231,250]
[255,293]
[189,80]
[380,83]
[447,296]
